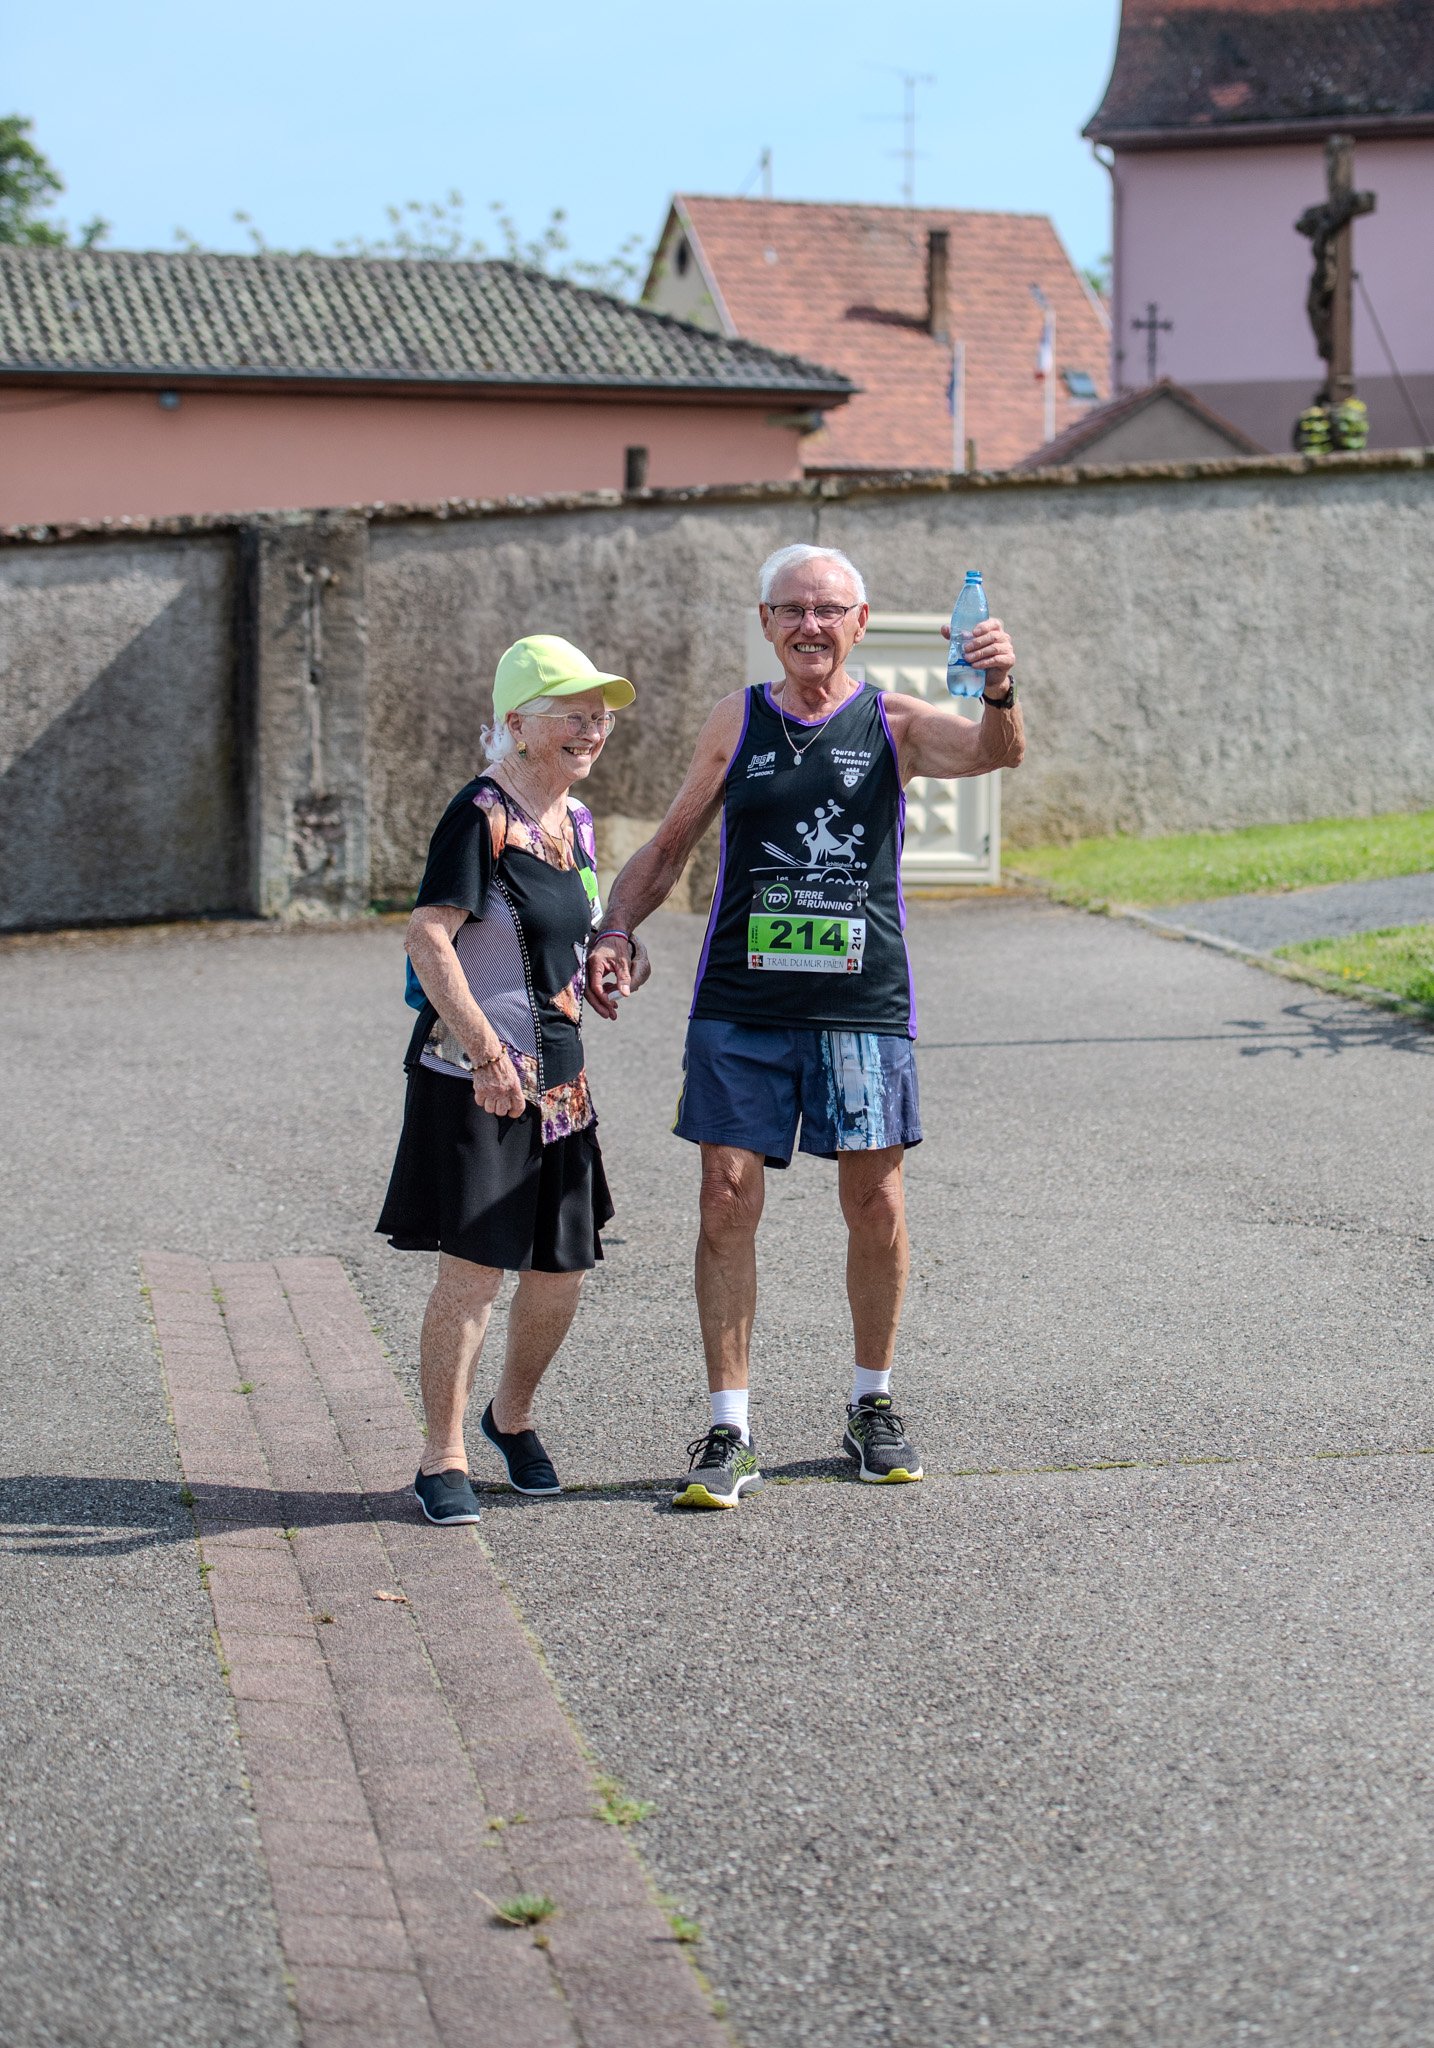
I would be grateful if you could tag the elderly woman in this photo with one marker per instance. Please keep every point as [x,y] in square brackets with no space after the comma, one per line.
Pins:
[498,1168]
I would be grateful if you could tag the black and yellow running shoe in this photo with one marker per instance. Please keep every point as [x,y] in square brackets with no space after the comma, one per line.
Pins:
[874,1436]
[721,1469]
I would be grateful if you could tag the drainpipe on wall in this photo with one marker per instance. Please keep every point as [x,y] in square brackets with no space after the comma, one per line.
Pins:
[1117,299]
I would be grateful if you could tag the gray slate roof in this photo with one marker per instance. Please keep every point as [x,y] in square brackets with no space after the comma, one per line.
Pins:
[1237,65]
[361,319]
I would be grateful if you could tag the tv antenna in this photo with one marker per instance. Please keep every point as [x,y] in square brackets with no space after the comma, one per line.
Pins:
[908,152]
[763,170]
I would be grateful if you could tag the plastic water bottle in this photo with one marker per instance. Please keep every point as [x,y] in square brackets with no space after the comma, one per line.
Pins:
[969,611]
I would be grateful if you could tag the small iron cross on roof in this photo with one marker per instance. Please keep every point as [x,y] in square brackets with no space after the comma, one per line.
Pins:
[1153,327]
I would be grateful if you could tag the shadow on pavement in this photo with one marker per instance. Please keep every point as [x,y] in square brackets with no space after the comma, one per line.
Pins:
[659,1491]
[42,1514]
[1325,1025]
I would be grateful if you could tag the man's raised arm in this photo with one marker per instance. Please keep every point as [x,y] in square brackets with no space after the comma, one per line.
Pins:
[654,871]
[934,740]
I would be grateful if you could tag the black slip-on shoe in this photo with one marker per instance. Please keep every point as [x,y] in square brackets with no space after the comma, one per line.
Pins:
[530,1469]
[446,1496]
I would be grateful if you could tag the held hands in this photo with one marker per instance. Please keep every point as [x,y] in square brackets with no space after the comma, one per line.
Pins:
[989,647]
[615,968]
[496,1086]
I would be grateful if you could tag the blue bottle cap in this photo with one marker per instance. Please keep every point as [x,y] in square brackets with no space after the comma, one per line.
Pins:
[973,575]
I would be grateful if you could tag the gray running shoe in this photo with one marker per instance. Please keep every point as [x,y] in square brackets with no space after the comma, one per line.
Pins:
[721,1470]
[876,1438]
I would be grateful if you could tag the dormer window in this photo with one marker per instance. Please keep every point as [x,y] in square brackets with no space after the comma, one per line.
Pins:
[1080,384]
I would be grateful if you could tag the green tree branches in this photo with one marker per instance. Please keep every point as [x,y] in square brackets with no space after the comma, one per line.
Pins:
[440,228]
[29,186]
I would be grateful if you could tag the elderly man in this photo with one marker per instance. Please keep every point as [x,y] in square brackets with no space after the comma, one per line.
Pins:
[803,1012]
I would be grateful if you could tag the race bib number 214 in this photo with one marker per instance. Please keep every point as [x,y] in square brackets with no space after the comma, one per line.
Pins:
[805,945]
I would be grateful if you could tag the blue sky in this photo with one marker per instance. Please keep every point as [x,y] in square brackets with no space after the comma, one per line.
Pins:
[312,115]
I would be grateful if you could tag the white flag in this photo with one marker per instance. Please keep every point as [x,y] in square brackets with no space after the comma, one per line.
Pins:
[1046,353]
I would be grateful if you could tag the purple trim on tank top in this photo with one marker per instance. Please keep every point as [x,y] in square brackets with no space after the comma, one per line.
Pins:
[900,848]
[721,855]
[792,719]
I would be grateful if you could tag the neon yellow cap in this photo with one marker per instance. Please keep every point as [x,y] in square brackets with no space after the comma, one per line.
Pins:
[542,665]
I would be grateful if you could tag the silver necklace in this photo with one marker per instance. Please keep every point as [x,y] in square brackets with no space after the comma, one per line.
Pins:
[798,751]
[559,842]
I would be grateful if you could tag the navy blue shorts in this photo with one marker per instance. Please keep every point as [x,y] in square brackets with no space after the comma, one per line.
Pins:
[851,1091]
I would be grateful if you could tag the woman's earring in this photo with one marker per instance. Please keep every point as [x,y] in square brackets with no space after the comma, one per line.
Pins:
[522,746]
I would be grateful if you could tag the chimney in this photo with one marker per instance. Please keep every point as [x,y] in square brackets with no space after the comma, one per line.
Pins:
[938,283]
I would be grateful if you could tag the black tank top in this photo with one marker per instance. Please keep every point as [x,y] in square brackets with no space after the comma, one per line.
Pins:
[807,920]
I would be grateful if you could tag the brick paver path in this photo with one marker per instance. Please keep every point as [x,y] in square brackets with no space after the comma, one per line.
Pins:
[408,1755]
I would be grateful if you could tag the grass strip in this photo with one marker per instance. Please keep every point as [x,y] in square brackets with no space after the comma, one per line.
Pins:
[1399,959]
[1195,867]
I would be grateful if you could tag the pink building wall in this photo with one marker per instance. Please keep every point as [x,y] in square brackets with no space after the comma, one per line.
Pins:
[1208,234]
[87,454]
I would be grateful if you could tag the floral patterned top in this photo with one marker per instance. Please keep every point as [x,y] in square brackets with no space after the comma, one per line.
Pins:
[532,905]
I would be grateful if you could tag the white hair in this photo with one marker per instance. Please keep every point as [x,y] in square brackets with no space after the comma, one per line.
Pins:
[802,551]
[497,741]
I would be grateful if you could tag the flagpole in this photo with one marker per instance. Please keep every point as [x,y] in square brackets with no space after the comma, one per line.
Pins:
[1046,358]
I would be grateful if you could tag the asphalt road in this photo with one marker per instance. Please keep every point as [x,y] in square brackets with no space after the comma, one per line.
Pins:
[1264,922]
[1020,1755]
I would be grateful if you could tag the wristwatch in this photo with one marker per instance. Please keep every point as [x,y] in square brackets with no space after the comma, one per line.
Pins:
[1005,702]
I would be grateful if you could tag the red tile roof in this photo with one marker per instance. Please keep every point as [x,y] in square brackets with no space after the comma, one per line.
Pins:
[1222,67]
[846,285]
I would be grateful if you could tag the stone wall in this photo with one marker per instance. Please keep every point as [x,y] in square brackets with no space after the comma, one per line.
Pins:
[1253,647]
[655,593]
[1245,644]
[269,713]
[120,746]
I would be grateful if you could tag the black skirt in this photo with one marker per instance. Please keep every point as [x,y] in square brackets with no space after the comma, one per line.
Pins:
[486,1188]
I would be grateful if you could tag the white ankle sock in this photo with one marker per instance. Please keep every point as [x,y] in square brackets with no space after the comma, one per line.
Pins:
[864,1382]
[730,1406]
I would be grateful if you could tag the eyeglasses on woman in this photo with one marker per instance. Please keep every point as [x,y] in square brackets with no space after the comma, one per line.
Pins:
[578,722]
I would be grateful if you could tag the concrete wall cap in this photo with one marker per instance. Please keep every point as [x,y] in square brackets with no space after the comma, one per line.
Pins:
[811,490]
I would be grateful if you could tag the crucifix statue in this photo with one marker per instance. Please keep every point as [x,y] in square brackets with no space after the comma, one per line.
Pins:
[1330,228]
[1153,327]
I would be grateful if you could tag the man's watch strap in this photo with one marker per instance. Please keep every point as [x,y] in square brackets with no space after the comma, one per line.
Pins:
[1005,701]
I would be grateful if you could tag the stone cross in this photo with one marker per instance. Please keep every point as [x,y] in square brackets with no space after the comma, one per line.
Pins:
[1330,301]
